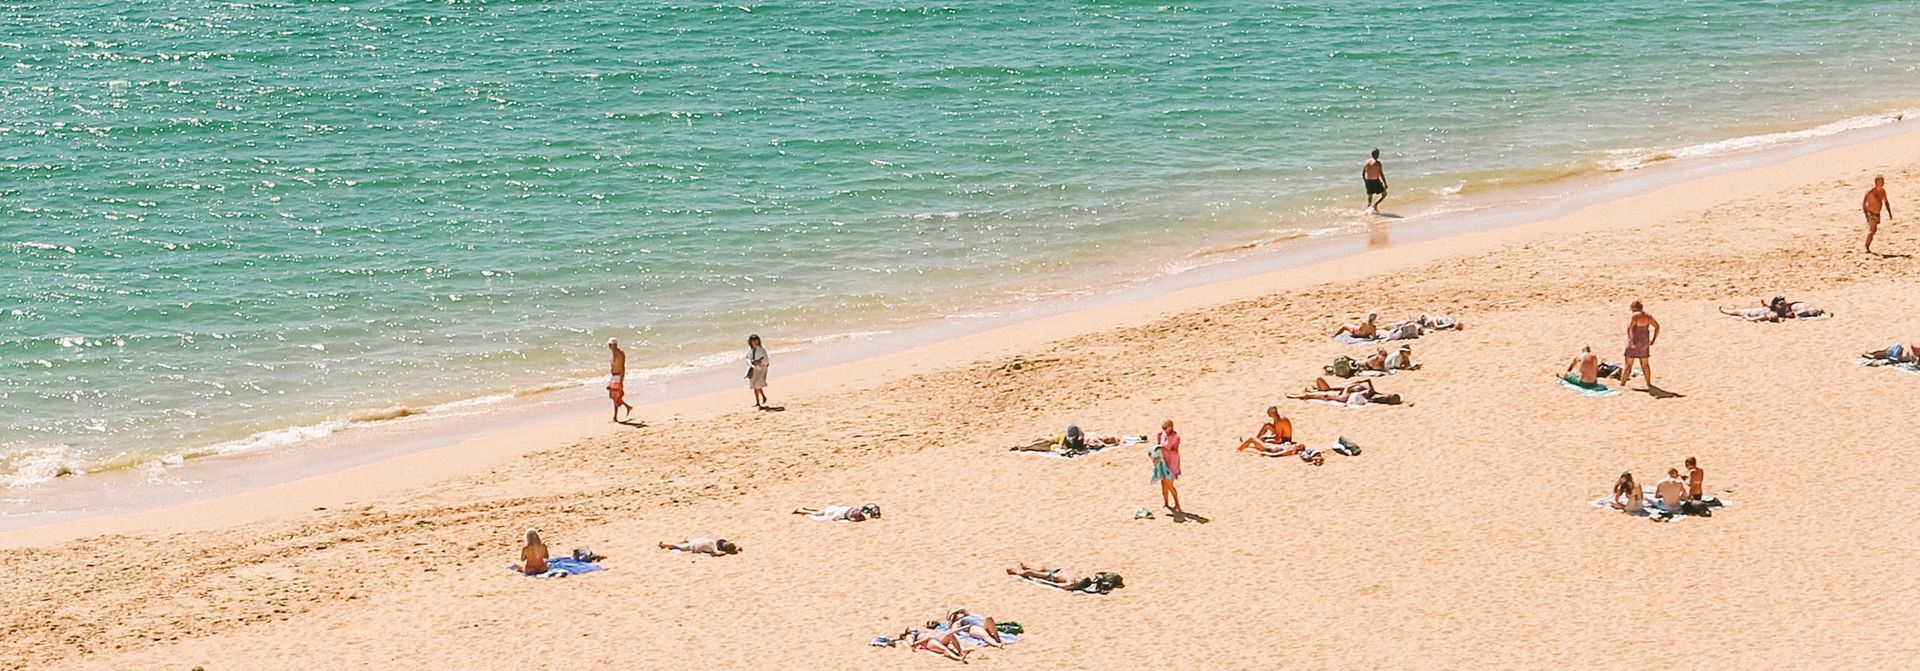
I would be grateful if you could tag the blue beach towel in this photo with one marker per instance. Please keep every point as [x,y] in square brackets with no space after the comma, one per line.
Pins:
[561,567]
[1584,390]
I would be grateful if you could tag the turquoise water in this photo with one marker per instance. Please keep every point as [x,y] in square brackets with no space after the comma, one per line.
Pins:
[225,218]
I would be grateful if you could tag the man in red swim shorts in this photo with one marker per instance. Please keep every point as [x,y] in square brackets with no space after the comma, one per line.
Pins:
[616,382]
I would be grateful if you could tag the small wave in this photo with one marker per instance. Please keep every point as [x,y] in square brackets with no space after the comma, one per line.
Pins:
[1277,237]
[1633,159]
[384,414]
[26,465]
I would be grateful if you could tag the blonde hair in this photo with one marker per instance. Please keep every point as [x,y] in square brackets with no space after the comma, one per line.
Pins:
[533,538]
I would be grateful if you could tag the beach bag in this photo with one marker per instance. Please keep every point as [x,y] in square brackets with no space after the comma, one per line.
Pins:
[1386,399]
[1398,360]
[1010,628]
[1404,331]
[1346,447]
[1342,367]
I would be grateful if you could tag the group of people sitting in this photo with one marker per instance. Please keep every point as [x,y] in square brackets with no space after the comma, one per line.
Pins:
[1778,309]
[954,637]
[1675,494]
[1408,329]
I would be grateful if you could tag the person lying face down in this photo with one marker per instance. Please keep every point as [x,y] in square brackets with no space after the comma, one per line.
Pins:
[1061,578]
[836,513]
[706,546]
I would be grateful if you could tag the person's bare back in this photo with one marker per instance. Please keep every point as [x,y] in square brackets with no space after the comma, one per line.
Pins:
[1588,365]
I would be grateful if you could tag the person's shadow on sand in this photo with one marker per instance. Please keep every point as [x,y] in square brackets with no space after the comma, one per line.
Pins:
[773,408]
[633,423]
[1657,392]
[1182,517]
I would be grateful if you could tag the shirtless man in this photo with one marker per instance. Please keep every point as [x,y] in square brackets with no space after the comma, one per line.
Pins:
[1588,365]
[616,380]
[1671,492]
[1374,174]
[1366,329]
[1876,201]
[1278,432]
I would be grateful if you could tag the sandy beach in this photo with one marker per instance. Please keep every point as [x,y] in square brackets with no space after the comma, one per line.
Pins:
[1461,538]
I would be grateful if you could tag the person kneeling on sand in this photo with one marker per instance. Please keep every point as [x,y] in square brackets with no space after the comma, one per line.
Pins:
[706,546]
[1274,438]
[1366,329]
[839,513]
[1098,583]
[533,556]
[1895,353]
[1627,495]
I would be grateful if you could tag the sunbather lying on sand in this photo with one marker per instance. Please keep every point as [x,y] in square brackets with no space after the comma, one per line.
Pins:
[1073,442]
[1068,580]
[706,546]
[982,629]
[1775,310]
[1355,394]
[837,513]
[1366,329]
[1274,438]
[944,644]
[1895,353]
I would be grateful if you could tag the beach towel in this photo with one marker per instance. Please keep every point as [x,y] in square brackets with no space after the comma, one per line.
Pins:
[1597,391]
[1092,446]
[1883,363]
[1648,510]
[1351,339]
[561,567]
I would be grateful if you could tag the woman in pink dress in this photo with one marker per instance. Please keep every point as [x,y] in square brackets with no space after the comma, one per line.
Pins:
[1166,465]
[1642,332]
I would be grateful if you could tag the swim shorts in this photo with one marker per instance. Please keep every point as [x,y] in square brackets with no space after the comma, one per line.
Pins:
[1376,186]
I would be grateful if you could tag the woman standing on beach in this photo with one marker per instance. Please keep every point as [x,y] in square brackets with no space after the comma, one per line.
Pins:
[1166,465]
[757,363]
[1642,332]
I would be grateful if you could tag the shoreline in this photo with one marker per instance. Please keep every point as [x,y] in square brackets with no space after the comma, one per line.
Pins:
[1463,536]
[145,487]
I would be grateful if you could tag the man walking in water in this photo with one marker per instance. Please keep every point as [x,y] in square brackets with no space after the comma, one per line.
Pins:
[1875,201]
[616,381]
[1375,175]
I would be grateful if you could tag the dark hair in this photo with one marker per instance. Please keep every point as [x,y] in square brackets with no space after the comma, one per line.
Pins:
[1636,306]
[1691,462]
[726,546]
[1376,152]
[754,338]
[1624,484]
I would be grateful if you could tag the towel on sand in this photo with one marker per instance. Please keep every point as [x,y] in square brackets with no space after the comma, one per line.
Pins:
[1351,339]
[1882,363]
[1647,509]
[1036,581]
[1597,391]
[561,567]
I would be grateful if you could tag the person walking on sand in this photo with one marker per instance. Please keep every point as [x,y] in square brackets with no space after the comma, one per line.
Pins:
[1166,465]
[1642,332]
[757,363]
[616,380]
[1876,201]
[1374,174]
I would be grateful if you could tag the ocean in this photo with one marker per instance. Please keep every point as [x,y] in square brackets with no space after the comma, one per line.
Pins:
[227,226]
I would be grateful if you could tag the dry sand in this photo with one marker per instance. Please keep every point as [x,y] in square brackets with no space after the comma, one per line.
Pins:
[1462,537]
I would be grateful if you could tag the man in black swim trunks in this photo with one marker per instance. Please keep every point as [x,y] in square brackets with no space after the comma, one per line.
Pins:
[1375,176]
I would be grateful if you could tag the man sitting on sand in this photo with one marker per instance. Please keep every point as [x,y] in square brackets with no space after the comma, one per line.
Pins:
[1060,578]
[1670,494]
[1366,329]
[841,513]
[705,546]
[1588,373]
[1896,353]
[1274,438]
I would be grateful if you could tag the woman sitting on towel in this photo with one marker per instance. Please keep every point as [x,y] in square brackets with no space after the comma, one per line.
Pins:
[1274,438]
[1627,495]
[1073,582]
[533,557]
[705,546]
[1895,353]
[836,513]
[1366,329]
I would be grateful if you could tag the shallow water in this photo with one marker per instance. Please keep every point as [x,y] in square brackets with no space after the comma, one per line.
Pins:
[231,225]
